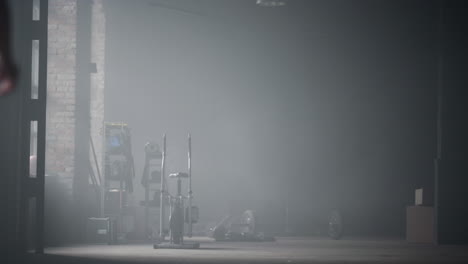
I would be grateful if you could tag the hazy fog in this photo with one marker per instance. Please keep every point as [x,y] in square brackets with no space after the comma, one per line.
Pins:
[313,101]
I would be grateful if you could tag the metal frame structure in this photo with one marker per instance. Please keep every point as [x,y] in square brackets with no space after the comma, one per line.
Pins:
[122,183]
[33,93]
[152,153]
[176,201]
[190,194]
[162,214]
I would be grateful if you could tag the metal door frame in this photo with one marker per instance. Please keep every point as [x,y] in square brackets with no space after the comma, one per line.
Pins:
[33,28]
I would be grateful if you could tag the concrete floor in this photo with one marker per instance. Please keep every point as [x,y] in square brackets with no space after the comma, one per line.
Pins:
[284,250]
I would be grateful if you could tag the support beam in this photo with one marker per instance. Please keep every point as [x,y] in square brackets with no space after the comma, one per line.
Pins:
[82,113]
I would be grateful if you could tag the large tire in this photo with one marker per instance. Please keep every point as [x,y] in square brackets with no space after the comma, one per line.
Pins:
[335,225]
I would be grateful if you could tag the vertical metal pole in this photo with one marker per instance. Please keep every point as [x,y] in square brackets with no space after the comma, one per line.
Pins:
[82,116]
[189,186]
[287,217]
[104,172]
[180,206]
[440,86]
[120,216]
[147,187]
[41,126]
[99,182]
[162,191]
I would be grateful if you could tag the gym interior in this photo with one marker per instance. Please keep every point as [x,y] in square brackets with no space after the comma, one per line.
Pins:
[234,131]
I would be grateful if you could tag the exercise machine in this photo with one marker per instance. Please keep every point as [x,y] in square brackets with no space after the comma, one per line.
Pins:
[179,214]
[118,180]
[151,181]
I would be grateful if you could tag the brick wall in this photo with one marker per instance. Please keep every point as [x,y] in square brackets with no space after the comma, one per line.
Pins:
[61,85]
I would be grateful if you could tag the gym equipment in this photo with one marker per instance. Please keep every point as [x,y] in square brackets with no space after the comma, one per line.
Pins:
[118,176]
[177,218]
[240,228]
[151,179]
[99,230]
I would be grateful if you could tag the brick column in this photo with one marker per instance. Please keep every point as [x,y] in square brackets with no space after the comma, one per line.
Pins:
[61,84]
[98,37]
[65,111]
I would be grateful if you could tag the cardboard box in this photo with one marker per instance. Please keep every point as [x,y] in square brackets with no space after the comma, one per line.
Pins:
[420,224]
[98,230]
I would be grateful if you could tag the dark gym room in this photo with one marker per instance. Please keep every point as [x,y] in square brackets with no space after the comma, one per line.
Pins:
[233,131]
